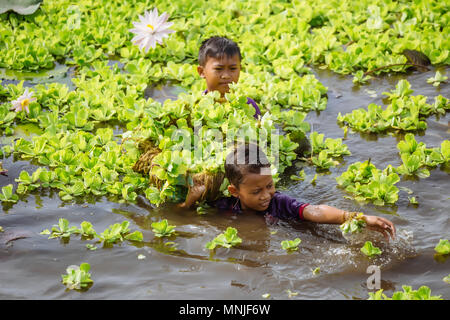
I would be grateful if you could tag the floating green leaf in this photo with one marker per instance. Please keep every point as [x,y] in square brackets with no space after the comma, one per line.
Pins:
[370,250]
[77,277]
[227,239]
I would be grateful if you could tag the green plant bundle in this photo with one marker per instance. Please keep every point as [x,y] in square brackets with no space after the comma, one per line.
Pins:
[326,150]
[290,245]
[8,195]
[416,157]
[163,229]
[367,183]
[61,230]
[227,239]
[423,293]
[116,232]
[343,36]
[354,225]
[443,247]
[77,277]
[437,79]
[119,232]
[404,113]
[370,250]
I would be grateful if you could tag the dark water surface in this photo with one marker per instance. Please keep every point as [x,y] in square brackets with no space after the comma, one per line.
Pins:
[180,267]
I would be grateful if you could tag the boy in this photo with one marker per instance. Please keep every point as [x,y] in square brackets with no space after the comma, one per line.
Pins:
[219,61]
[252,189]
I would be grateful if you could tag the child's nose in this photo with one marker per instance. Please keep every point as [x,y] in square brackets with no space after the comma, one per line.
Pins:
[226,75]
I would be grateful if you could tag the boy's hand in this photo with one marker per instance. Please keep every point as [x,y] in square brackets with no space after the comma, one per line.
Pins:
[382,225]
[193,195]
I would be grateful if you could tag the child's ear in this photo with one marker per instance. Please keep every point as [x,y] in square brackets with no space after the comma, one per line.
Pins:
[233,190]
[201,71]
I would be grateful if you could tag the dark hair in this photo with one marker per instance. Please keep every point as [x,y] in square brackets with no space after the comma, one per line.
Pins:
[217,47]
[244,159]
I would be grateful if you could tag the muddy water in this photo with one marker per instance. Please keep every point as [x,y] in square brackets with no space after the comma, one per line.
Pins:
[180,267]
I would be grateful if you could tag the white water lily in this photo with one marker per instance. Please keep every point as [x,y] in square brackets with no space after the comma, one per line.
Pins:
[22,103]
[151,29]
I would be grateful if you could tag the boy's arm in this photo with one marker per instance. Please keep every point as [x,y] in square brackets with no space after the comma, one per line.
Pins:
[327,214]
[192,197]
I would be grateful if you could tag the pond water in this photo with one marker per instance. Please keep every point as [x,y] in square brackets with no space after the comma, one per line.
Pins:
[32,265]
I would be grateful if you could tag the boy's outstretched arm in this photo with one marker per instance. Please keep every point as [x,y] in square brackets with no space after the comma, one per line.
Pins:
[328,214]
[192,197]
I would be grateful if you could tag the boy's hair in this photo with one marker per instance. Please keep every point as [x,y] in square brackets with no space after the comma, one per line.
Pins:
[245,159]
[217,47]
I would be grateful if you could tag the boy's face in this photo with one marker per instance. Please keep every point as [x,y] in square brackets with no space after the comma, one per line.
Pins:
[219,73]
[255,191]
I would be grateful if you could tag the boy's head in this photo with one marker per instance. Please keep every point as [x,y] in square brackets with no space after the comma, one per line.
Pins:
[219,62]
[248,171]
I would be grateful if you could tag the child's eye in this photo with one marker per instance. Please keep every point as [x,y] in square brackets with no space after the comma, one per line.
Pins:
[255,192]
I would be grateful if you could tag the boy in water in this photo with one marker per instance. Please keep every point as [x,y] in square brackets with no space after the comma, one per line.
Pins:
[251,186]
[219,62]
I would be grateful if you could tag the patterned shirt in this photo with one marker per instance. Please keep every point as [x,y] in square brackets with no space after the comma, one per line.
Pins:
[281,206]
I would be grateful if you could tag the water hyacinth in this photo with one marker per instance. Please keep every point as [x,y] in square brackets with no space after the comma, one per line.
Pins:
[22,103]
[151,29]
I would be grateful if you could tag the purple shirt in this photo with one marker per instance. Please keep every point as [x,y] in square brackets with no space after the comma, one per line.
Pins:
[281,206]
[249,101]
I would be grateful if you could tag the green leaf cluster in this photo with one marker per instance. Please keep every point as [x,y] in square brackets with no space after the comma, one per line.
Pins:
[227,239]
[114,233]
[365,182]
[290,245]
[77,277]
[423,293]
[354,225]
[326,150]
[443,247]
[163,229]
[8,195]
[343,36]
[416,157]
[404,113]
[437,79]
[370,250]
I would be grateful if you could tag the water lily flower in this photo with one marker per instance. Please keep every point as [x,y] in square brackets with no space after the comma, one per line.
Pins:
[151,29]
[22,103]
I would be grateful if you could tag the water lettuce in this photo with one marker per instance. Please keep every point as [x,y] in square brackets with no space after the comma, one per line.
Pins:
[163,229]
[370,250]
[443,247]
[77,277]
[290,245]
[423,293]
[227,239]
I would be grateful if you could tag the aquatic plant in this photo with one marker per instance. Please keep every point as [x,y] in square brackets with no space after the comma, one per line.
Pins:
[227,239]
[443,247]
[77,277]
[423,293]
[290,245]
[119,232]
[416,157]
[7,194]
[355,224]
[404,113]
[367,183]
[370,250]
[163,229]
[61,230]
[437,79]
